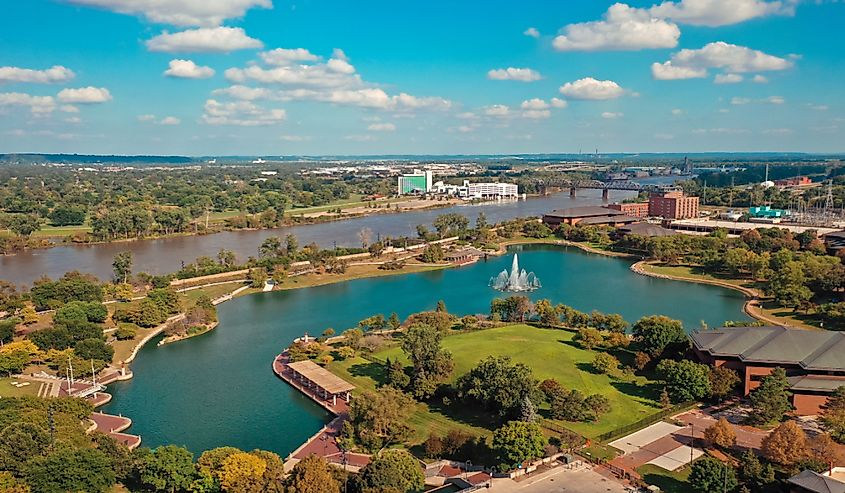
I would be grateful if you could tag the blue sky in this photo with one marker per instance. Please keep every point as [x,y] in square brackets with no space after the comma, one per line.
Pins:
[262,77]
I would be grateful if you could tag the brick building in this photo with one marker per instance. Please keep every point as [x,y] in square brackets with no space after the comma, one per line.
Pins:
[814,361]
[634,209]
[673,205]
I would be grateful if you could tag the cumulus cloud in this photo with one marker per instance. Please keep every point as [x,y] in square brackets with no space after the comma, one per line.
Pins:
[204,40]
[760,79]
[38,105]
[591,89]
[610,115]
[775,100]
[187,69]
[334,81]
[85,95]
[169,120]
[511,73]
[690,64]
[381,127]
[532,32]
[622,28]
[534,104]
[56,73]
[240,113]
[284,57]
[739,101]
[715,13]
[179,12]
[498,110]
[69,108]
[727,78]
[559,103]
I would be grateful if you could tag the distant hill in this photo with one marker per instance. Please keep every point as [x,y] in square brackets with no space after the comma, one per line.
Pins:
[92,159]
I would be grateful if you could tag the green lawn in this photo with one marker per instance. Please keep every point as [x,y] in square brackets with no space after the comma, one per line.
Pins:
[9,390]
[667,481]
[551,354]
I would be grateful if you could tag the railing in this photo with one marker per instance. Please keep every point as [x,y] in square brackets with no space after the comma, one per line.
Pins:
[655,418]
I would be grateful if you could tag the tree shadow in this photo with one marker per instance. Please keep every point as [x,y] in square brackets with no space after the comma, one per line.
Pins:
[587,368]
[373,371]
[465,413]
[666,483]
[648,393]
[574,344]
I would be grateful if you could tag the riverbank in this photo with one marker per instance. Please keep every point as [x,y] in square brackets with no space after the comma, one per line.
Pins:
[753,306]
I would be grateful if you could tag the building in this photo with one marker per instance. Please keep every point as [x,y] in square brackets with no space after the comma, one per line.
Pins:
[417,182]
[796,181]
[635,209]
[470,191]
[673,205]
[814,361]
[834,241]
[587,215]
[832,481]
[646,229]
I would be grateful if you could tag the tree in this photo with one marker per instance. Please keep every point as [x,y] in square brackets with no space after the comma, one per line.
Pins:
[168,468]
[291,245]
[122,266]
[312,475]
[787,285]
[723,382]
[511,309]
[527,411]
[394,469]
[10,484]
[548,313]
[685,380]
[380,419]
[393,322]
[588,337]
[432,254]
[770,400]
[657,332]
[823,450]
[94,348]
[721,434]
[606,364]
[396,374]
[833,414]
[431,364]
[15,356]
[24,224]
[754,473]
[257,277]
[451,224]
[786,445]
[497,384]
[241,472]
[517,442]
[710,475]
[71,469]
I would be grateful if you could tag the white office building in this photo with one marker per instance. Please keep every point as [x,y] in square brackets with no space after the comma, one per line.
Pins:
[470,191]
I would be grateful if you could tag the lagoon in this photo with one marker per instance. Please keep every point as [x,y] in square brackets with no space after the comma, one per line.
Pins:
[218,389]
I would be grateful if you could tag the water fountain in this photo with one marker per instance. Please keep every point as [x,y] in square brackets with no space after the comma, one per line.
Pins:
[516,281]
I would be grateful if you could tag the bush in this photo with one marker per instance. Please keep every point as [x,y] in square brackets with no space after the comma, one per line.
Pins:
[125,333]
[606,364]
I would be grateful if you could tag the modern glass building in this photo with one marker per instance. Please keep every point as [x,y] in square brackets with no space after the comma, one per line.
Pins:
[416,182]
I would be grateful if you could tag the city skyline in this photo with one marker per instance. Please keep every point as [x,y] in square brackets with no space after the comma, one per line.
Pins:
[257,77]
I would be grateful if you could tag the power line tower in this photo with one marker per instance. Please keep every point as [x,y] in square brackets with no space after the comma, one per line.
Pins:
[828,203]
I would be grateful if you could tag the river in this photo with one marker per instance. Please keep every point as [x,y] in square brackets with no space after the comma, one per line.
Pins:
[166,255]
[219,389]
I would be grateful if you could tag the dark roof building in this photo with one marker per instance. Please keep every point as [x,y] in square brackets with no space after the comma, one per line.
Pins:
[812,482]
[814,360]
[646,229]
[587,215]
[834,241]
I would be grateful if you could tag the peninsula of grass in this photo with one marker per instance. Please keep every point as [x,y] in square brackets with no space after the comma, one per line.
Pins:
[550,353]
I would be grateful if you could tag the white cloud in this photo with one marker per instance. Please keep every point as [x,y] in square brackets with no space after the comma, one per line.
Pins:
[69,108]
[498,110]
[774,100]
[360,138]
[690,64]
[720,130]
[38,105]
[592,89]
[146,118]
[739,101]
[719,12]
[559,103]
[760,79]
[532,32]
[187,69]
[727,78]
[511,73]
[623,28]
[54,74]
[169,120]
[85,95]
[204,40]
[677,111]
[609,115]
[284,57]
[381,127]
[240,113]
[180,12]
[534,104]
[536,114]
[245,93]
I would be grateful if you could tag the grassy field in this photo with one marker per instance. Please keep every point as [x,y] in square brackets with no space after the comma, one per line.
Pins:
[61,231]
[668,481]
[352,272]
[9,390]
[551,354]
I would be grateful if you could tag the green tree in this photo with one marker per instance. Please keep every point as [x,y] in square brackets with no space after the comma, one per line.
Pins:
[770,400]
[710,475]
[685,380]
[432,254]
[833,415]
[312,475]
[393,322]
[498,384]
[24,224]
[93,348]
[787,285]
[754,474]
[71,469]
[548,313]
[122,266]
[657,332]
[168,468]
[517,442]
[451,224]
[431,364]
[723,382]
[381,419]
[396,374]
[606,363]
[394,470]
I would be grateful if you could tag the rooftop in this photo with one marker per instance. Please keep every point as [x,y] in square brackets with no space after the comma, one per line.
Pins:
[817,483]
[588,211]
[816,350]
[323,378]
[646,229]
